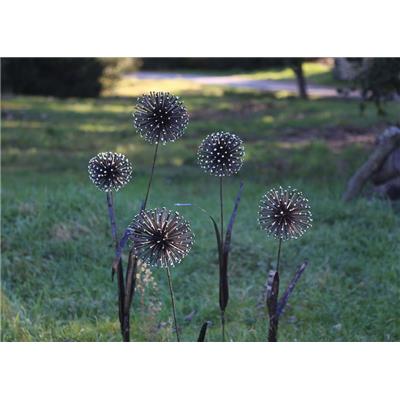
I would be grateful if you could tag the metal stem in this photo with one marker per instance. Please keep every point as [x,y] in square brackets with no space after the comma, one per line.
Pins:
[171,292]
[151,177]
[279,255]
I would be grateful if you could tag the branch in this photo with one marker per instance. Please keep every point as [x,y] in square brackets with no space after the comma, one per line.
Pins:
[389,140]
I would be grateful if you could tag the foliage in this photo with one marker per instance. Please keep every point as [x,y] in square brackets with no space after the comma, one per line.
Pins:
[115,67]
[378,79]
[63,77]
[60,77]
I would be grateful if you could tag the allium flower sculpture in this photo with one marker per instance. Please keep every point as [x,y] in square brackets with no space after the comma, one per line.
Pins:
[110,172]
[161,238]
[159,117]
[221,154]
[284,214]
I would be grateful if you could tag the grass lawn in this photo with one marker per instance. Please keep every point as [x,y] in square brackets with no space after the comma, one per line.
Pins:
[56,246]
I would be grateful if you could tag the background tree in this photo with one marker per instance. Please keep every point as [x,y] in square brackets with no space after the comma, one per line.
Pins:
[377,79]
[232,64]
[296,64]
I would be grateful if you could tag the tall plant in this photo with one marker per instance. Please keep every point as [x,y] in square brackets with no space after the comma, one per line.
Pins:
[159,118]
[110,172]
[221,155]
[283,214]
[161,238]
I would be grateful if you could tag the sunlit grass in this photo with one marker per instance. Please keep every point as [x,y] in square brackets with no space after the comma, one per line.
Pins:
[316,72]
[131,87]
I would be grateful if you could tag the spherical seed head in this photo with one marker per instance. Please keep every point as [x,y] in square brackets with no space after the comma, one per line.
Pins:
[221,154]
[284,213]
[160,237]
[110,171]
[160,117]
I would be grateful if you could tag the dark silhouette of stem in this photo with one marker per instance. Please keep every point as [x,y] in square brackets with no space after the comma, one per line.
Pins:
[171,292]
[221,201]
[279,255]
[126,295]
[120,273]
[223,324]
[272,301]
[129,292]
[111,215]
[151,177]
[272,304]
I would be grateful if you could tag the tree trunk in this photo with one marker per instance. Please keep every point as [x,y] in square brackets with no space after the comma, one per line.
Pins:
[301,80]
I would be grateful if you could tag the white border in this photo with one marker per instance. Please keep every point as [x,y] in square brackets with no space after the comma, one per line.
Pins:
[199,371]
[167,28]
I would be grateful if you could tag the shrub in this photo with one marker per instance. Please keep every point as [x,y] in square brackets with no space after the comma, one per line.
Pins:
[60,77]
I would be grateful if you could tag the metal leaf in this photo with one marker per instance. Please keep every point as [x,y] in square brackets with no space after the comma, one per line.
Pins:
[203,332]
[283,301]
[223,271]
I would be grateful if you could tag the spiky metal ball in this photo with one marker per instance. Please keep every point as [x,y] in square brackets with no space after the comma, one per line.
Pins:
[221,154]
[110,171]
[284,213]
[160,117]
[160,237]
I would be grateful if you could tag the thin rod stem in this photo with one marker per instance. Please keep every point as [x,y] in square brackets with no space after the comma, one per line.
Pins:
[151,177]
[221,199]
[223,325]
[279,255]
[111,215]
[123,318]
[171,292]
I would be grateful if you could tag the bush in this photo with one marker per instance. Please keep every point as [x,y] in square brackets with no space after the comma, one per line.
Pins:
[114,68]
[377,79]
[60,77]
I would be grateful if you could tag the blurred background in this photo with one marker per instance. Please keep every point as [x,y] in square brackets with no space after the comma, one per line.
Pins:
[306,122]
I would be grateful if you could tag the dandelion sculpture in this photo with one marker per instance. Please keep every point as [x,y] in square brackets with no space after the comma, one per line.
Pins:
[284,214]
[110,172]
[221,154]
[159,117]
[161,238]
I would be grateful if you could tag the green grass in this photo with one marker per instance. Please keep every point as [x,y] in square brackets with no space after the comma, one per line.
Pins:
[56,246]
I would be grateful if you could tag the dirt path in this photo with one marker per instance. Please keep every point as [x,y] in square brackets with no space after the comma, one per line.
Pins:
[239,82]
